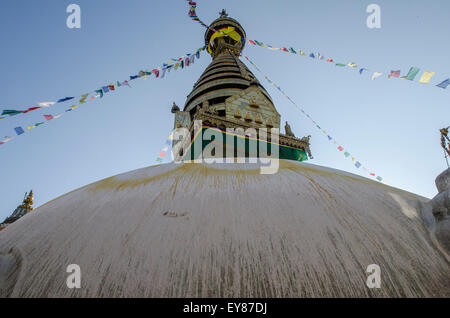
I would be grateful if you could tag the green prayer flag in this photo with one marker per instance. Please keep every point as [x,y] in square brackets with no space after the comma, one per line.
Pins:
[38,124]
[100,91]
[346,154]
[293,51]
[11,112]
[341,65]
[413,71]
[83,98]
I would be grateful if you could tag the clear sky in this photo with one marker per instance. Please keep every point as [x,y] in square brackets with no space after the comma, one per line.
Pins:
[391,126]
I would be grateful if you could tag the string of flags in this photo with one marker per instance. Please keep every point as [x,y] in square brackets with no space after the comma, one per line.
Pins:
[338,146]
[411,75]
[181,62]
[164,151]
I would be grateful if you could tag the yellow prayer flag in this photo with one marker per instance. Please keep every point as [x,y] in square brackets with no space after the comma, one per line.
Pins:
[74,106]
[31,127]
[427,75]
[301,52]
[351,64]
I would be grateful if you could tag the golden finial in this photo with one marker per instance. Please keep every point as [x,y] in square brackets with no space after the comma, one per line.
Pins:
[27,201]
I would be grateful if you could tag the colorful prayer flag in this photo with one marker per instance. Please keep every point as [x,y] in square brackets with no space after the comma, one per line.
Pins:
[19,130]
[444,84]
[48,117]
[426,77]
[11,112]
[46,104]
[65,99]
[394,74]
[413,71]
[83,98]
[376,74]
[357,164]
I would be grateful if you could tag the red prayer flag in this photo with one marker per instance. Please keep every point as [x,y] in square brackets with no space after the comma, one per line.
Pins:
[252,42]
[330,60]
[394,74]
[111,87]
[372,174]
[156,72]
[162,154]
[30,109]
[284,49]
[1,143]
[340,148]
[48,117]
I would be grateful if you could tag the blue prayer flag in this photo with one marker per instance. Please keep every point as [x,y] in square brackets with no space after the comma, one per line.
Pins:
[444,84]
[65,99]
[357,164]
[19,130]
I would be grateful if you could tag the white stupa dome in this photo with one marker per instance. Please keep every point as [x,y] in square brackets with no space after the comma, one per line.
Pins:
[225,230]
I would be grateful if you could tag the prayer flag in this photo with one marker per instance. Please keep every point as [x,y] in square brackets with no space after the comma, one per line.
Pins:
[330,60]
[362,70]
[312,55]
[394,74]
[31,127]
[444,84]
[11,112]
[48,117]
[65,99]
[30,109]
[379,178]
[111,87]
[99,91]
[340,65]
[57,116]
[292,51]
[133,77]
[46,104]
[156,72]
[83,98]
[413,71]
[357,164]
[376,74]
[19,130]
[162,154]
[372,174]
[197,55]
[252,42]
[346,154]
[7,138]
[38,124]
[426,76]
[329,137]
[351,64]
[340,148]
[105,89]
[301,52]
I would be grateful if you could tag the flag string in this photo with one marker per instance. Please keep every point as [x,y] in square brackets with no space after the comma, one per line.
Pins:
[411,75]
[159,72]
[339,147]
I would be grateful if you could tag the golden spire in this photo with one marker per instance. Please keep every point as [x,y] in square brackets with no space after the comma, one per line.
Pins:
[28,201]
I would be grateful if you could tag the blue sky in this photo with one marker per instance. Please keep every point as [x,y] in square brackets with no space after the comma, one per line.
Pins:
[391,126]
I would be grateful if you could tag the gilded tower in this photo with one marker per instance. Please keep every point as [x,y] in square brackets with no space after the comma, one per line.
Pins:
[21,210]
[228,95]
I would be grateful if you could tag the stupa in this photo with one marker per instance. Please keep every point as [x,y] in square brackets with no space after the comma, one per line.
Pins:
[224,229]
